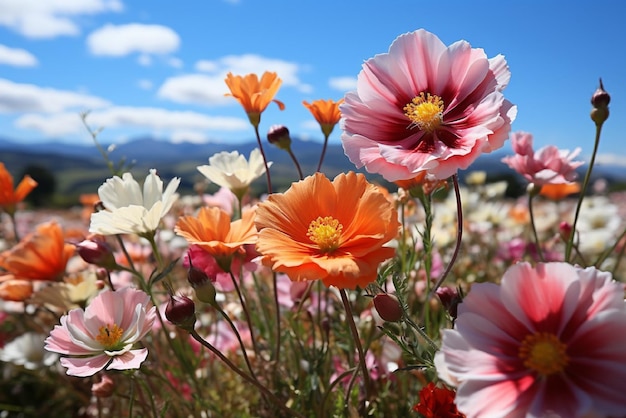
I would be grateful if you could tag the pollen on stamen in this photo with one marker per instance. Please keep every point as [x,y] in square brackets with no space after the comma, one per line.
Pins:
[109,336]
[544,353]
[325,232]
[425,112]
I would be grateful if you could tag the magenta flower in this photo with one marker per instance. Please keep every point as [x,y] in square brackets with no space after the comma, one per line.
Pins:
[104,333]
[548,165]
[549,341]
[426,107]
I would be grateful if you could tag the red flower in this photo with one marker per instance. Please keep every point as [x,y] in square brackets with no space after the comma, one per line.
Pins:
[436,402]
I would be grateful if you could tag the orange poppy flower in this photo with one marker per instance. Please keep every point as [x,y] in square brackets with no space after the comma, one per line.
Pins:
[41,255]
[333,231]
[15,290]
[213,231]
[326,113]
[254,94]
[9,197]
[559,191]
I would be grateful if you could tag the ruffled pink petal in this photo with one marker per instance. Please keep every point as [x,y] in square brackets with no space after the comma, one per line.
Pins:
[84,366]
[558,396]
[542,298]
[61,342]
[129,360]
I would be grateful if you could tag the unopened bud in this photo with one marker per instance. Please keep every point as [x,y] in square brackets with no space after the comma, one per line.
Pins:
[450,300]
[388,307]
[202,284]
[98,252]
[600,101]
[104,388]
[565,230]
[279,135]
[181,311]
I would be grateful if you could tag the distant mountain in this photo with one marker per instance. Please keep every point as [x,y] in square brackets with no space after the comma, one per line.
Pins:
[81,168]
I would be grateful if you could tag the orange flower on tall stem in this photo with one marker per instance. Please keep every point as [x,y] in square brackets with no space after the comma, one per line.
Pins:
[559,191]
[327,114]
[41,255]
[333,231]
[213,231]
[254,94]
[9,197]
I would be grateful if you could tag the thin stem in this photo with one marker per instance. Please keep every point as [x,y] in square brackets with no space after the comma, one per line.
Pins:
[570,242]
[357,341]
[422,333]
[533,226]
[267,168]
[16,234]
[319,165]
[236,332]
[277,307]
[459,236]
[277,402]
[245,311]
[295,161]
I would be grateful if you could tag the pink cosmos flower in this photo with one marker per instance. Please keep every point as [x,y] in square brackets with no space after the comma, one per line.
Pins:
[549,341]
[548,165]
[426,107]
[104,333]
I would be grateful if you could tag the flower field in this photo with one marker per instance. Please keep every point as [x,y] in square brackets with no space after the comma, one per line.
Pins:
[337,297]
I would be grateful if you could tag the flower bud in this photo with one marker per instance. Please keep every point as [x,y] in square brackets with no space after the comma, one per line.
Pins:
[450,300]
[202,284]
[279,136]
[388,307]
[104,388]
[600,102]
[565,230]
[181,311]
[98,252]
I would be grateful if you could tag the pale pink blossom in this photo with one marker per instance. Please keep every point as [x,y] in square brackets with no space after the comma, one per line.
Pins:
[426,107]
[548,165]
[102,336]
[548,341]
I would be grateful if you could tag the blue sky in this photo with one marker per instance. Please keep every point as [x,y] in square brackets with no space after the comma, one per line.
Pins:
[155,67]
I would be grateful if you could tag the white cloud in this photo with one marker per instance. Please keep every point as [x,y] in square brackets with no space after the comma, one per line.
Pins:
[342,83]
[195,137]
[51,18]
[145,84]
[195,88]
[68,123]
[117,41]
[209,88]
[18,97]
[144,60]
[175,62]
[16,57]
[206,66]
[610,159]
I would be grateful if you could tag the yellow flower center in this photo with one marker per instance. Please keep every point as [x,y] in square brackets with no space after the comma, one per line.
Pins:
[425,112]
[544,353]
[109,336]
[325,232]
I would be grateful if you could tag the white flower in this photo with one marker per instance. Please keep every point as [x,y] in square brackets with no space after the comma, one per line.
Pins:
[231,170]
[27,350]
[128,210]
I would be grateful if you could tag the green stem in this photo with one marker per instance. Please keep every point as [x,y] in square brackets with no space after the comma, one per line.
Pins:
[277,402]
[246,312]
[357,342]
[459,236]
[236,332]
[531,195]
[267,168]
[570,242]
[295,161]
[319,165]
